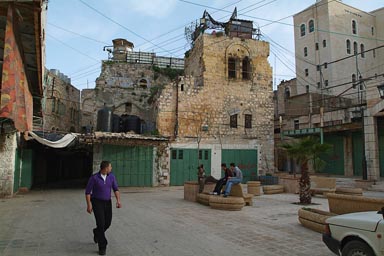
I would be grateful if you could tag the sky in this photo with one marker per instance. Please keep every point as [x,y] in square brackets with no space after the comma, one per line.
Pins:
[78,30]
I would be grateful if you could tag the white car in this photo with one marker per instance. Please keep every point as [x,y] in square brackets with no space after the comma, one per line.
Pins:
[355,234]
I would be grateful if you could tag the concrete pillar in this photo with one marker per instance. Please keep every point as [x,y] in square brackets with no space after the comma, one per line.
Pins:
[8,147]
[371,139]
[348,156]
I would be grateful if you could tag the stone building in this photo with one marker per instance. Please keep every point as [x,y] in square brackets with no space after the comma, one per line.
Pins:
[120,115]
[61,108]
[339,67]
[21,64]
[221,110]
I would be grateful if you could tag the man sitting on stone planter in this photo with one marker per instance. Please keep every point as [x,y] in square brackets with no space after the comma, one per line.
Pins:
[236,179]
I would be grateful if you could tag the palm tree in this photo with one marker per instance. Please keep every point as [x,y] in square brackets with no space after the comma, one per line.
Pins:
[303,150]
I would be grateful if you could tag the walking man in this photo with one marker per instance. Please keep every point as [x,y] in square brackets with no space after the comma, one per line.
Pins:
[98,197]
[236,179]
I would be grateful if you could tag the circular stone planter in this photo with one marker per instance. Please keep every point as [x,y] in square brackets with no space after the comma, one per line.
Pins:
[314,219]
[226,203]
[273,189]
[349,191]
[203,198]
[253,187]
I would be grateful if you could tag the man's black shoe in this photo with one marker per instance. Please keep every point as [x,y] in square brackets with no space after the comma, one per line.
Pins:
[102,251]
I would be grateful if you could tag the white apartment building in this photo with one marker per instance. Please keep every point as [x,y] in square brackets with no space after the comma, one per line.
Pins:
[340,58]
[336,44]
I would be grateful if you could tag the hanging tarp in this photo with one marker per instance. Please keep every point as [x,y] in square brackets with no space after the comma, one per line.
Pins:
[61,143]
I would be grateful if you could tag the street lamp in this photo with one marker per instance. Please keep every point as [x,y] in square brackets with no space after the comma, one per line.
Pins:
[381,90]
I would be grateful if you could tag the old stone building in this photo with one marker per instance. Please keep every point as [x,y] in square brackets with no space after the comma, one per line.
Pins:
[221,110]
[21,64]
[339,69]
[121,112]
[61,108]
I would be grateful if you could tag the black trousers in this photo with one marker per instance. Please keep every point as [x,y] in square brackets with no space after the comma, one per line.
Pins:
[103,214]
[219,185]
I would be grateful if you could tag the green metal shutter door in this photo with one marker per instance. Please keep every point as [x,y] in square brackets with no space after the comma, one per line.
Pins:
[357,153]
[184,163]
[27,168]
[245,159]
[132,166]
[335,159]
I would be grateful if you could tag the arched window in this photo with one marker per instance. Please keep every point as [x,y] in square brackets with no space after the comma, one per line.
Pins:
[362,49]
[348,46]
[305,51]
[287,92]
[302,30]
[311,26]
[354,48]
[143,83]
[246,69]
[354,27]
[231,67]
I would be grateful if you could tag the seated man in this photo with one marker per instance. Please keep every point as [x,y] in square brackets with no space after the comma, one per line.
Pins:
[238,177]
[221,182]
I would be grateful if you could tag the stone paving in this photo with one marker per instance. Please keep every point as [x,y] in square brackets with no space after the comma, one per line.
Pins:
[156,221]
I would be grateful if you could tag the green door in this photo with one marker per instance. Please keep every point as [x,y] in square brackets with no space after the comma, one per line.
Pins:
[184,163]
[245,159]
[27,168]
[357,154]
[335,159]
[132,166]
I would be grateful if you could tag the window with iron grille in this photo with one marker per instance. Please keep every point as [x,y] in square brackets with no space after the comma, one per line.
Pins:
[231,67]
[248,121]
[246,69]
[233,121]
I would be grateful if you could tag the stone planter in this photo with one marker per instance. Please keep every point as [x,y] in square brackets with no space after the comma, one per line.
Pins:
[364,184]
[191,189]
[291,185]
[314,219]
[226,203]
[273,189]
[253,187]
[341,204]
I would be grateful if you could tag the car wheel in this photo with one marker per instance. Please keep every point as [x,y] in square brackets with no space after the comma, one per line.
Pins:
[357,248]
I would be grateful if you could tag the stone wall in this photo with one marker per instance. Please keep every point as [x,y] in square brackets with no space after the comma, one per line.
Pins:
[8,147]
[61,110]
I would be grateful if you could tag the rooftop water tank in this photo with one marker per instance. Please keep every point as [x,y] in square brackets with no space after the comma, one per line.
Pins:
[104,120]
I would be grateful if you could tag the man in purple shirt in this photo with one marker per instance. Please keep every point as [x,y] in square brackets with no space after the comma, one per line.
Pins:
[98,197]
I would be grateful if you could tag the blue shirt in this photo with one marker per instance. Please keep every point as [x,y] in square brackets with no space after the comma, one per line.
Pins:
[100,189]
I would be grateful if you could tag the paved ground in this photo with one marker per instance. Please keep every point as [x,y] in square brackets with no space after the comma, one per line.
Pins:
[156,221]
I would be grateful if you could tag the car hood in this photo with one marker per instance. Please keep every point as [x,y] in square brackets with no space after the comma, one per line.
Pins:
[359,220]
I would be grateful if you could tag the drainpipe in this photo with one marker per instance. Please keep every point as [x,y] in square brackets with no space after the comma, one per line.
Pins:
[177,110]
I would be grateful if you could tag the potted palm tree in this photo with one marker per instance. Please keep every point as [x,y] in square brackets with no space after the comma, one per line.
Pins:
[304,150]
